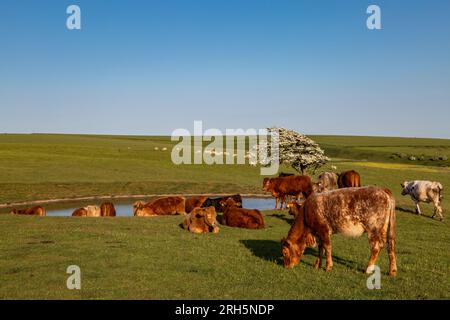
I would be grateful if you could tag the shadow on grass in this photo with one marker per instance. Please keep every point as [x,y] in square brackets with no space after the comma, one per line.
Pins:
[414,212]
[282,217]
[270,250]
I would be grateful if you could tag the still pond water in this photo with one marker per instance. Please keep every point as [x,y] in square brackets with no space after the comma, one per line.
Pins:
[125,208]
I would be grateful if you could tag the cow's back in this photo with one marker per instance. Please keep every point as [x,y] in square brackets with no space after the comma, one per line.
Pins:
[351,211]
[107,209]
[349,179]
[168,206]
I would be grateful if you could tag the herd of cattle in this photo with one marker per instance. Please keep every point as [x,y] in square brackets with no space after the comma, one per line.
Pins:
[334,204]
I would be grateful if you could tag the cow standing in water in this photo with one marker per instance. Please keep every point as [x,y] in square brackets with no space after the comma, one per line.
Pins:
[351,212]
[288,186]
[425,191]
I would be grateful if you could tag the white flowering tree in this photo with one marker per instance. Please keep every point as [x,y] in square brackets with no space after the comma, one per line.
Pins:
[294,149]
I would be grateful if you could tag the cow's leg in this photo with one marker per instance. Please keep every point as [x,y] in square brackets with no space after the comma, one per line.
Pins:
[392,258]
[327,245]
[418,208]
[438,210]
[276,202]
[318,263]
[375,251]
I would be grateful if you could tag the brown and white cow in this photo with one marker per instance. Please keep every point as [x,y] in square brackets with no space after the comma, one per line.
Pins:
[233,216]
[281,187]
[194,202]
[160,206]
[351,212]
[349,179]
[88,211]
[326,181]
[34,211]
[425,191]
[201,220]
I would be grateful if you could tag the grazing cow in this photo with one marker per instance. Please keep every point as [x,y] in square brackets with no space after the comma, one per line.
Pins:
[233,216]
[216,202]
[201,220]
[194,202]
[34,211]
[349,179]
[425,191]
[88,211]
[107,209]
[161,206]
[326,181]
[350,211]
[288,186]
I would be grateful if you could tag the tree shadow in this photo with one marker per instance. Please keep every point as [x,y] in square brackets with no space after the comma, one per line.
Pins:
[270,250]
[282,217]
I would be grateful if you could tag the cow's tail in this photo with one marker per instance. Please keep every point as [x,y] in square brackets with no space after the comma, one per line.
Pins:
[441,189]
[391,238]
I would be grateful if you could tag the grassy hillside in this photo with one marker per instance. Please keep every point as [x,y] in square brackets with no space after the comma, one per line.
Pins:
[155,258]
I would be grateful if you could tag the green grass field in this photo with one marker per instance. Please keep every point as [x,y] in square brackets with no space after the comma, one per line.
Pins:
[153,258]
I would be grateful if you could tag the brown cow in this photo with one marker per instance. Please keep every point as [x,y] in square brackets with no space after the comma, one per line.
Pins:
[233,216]
[216,202]
[288,186]
[194,202]
[350,211]
[161,206]
[201,220]
[349,179]
[34,211]
[107,209]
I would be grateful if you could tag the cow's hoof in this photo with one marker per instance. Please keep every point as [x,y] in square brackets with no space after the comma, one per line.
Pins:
[392,273]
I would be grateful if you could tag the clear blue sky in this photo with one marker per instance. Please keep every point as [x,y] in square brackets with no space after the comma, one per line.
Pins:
[149,67]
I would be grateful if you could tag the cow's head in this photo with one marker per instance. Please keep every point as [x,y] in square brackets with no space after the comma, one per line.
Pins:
[137,207]
[404,188]
[290,252]
[14,211]
[266,182]
[293,251]
[225,203]
[210,216]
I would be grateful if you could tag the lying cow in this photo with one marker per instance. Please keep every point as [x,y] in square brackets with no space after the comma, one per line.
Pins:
[201,220]
[88,211]
[326,181]
[216,202]
[194,202]
[288,186]
[107,209]
[349,179]
[34,211]
[425,191]
[351,212]
[161,206]
[234,216]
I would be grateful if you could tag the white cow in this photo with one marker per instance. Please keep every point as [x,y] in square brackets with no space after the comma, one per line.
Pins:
[424,191]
